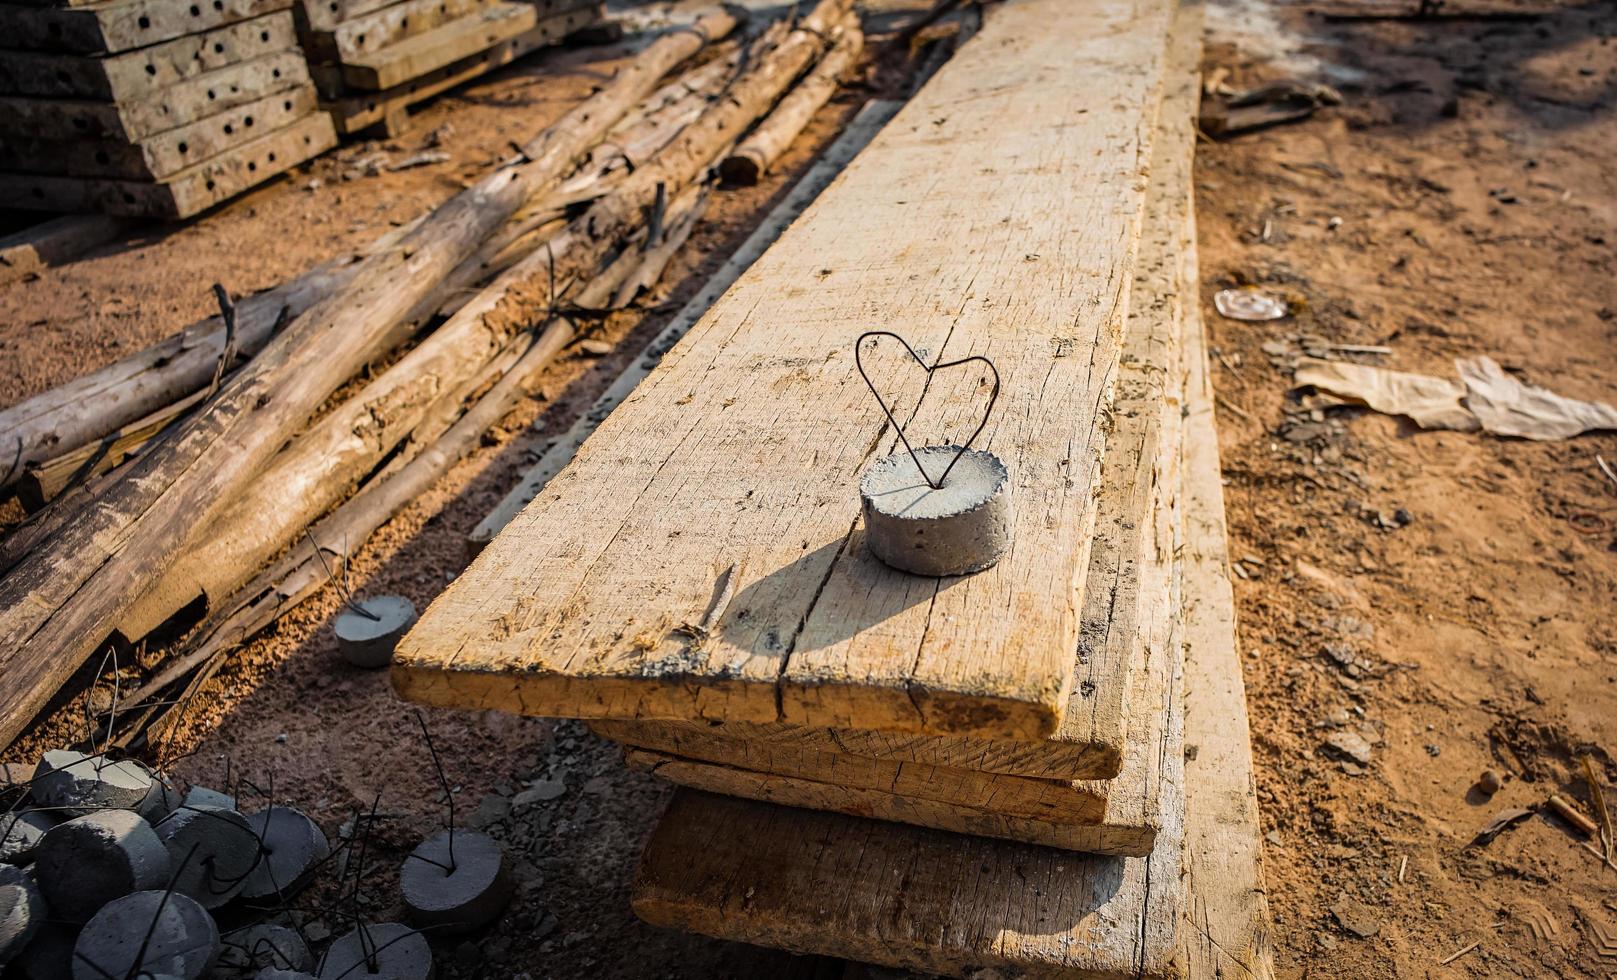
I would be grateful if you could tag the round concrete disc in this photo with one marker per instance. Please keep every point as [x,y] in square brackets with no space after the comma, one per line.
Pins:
[265,946]
[388,951]
[468,897]
[84,784]
[148,932]
[203,796]
[21,832]
[211,850]
[22,911]
[283,975]
[959,528]
[369,643]
[292,847]
[160,801]
[88,861]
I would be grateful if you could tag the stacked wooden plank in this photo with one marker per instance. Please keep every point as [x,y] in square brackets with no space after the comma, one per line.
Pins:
[149,107]
[695,582]
[372,59]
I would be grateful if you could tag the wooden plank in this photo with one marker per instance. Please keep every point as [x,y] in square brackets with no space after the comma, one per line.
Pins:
[180,104]
[54,242]
[361,111]
[557,453]
[753,430]
[444,45]
[325,15]
[137,74]
[1227,930]
[166,153]
[120,25]
[395,22]
[186,193]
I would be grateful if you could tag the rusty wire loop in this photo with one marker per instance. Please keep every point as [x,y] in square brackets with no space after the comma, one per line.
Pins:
[993,397]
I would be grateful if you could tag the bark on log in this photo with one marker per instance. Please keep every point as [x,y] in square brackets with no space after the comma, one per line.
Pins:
[301,573]
[764,145]
[60,603]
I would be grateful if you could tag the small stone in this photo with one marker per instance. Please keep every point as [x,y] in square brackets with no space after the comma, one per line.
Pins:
[598,785]
[1356,917]
[1274,838]
[595,348]
[542,791]
[1350,744]
[492,810]
[1489,782]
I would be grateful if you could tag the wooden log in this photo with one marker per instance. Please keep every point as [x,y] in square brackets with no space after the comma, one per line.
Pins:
[557,453]
[179,104]
[57,241]
[119,25]
[146,71]
[54,423]
[166,154]
[755,429]
[361,111]
[62,601]
[764,145]
[186,193]
[422,54]
[43,482]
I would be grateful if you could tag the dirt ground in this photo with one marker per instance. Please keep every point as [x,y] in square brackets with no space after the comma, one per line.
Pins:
[1471,170]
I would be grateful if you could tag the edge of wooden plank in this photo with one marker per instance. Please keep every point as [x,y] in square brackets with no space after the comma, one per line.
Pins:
[449,42]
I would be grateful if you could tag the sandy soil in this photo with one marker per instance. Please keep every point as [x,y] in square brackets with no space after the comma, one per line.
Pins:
[1471,170]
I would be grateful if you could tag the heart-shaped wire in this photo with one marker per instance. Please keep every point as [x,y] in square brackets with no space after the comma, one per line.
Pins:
[993,397]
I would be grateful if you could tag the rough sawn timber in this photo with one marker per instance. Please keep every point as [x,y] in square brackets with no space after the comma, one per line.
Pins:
[702,560]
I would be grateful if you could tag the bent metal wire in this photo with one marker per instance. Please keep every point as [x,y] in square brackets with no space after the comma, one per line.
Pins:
[858,362]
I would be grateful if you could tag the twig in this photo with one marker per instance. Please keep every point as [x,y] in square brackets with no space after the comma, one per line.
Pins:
[1458,953]
[1226,403]
[1403,865]
[227,313]
[1227,365]
[1605,468]
[1599,798]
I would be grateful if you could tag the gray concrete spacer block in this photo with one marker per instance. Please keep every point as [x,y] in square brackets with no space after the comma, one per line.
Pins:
[211,850]
[203,796]
[83,784]
[265,946]
[88,861]
[293,846]
[270,974]
[22,911]
[397,952]
[962,527]
[369,643]
[161,801]
[149,932]
[21,831]
[466,898]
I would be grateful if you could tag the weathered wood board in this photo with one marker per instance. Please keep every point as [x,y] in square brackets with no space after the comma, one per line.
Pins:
[180,104]
[703,559]
[395,22]
[54,242]
[165,154]
[360,111]
[186,193]
[140,73]
[325,15]
[446,44]
[119,25]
